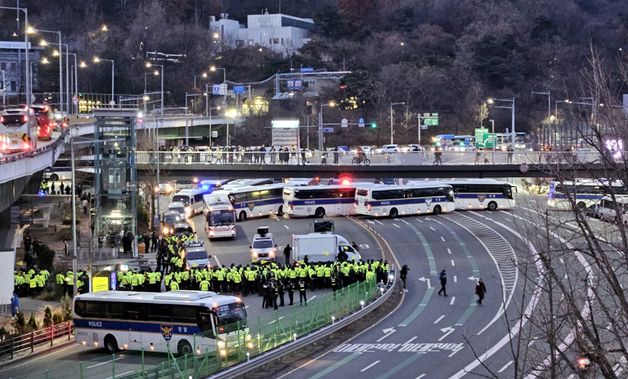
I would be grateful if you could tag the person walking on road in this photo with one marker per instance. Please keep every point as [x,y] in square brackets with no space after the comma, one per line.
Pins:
[286,253]
[403,274]
[480,290]
[443,283]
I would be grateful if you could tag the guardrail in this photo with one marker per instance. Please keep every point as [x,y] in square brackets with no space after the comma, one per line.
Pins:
[199,159]
[30,341]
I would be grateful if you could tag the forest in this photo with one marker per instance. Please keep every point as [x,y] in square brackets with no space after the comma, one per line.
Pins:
[445,56]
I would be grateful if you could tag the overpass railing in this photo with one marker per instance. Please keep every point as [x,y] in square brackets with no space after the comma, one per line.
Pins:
[219,157]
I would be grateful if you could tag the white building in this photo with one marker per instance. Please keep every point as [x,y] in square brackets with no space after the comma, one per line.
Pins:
[281,33]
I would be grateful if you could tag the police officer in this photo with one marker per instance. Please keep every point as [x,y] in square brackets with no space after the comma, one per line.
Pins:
[302,292]
[443,283]
[289,286]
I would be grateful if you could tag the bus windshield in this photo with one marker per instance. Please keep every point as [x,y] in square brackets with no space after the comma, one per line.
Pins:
[230,315]
[182,198]
[223,217]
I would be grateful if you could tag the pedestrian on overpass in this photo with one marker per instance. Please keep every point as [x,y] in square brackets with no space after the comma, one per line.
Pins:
[403,274]
[443,283]
[480,290]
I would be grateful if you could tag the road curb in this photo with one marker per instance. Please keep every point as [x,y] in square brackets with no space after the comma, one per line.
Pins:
[34,354]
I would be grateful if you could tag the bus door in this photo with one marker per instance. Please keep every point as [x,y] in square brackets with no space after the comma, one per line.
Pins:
[135,337]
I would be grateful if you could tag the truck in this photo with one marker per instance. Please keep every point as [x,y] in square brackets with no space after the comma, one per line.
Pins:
[321,247]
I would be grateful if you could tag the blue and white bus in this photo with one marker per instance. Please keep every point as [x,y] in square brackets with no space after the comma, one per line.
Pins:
[478,194]
[404,200]
[180,322]
[583,193]
[255,201]
[319,201]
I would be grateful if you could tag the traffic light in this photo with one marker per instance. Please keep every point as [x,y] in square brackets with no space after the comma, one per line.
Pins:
[373,124]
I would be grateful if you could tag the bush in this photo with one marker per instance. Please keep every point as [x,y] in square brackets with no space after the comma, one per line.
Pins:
[47,317]
[65,234]
[57,318]
[66,307]
[32,326]
[19,323]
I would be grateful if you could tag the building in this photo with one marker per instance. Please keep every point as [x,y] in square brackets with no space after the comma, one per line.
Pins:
[280,33]
[12,54]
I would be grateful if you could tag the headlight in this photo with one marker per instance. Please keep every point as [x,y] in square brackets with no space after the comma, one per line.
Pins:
[271,254]
[221,344]
[254,254]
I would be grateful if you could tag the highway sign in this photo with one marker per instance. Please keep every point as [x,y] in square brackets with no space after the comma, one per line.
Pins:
[431,122]
[344,123]
[361,122]
[328,130]
[219,89]
[238,90]
[214,134]
[423,126]
[307,69]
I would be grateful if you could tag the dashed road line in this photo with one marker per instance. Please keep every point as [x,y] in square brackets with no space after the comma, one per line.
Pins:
[420,221]
[448,251]
[442,238]
[451,302]
[286,226]
[438,319]
[379,222]
[453,263]
[432,229]
[396,225]
[369,366]
[455,278]
[505,367]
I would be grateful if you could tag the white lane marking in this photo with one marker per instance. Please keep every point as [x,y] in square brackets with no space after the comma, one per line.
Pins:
[312,298]
[405,222]
[562,261]
[438,319]
[370,221]
[369,366]
[432,229]
[531,342]
[448,251]
[410,340]
[118,375]
[505,367]
[286,226]
[455,278]
[396,225]
[508,219]
[453,263]
[420,376]
[442,238]
[421,221]
[379,222]
[104,363]
[453,298]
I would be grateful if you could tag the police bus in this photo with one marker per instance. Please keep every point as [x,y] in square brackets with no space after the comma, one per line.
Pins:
[412,199]
[583,193]
[255,201]
[482,194]
[18,130]
[180,322]
[320,201]
[192,199]
[220,216]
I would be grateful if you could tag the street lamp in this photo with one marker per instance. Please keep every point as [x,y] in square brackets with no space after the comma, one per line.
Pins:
[330,104]
[113,64]
[161,67]
[491,102]
[549,109]
[203,75]
[224,72]
[230,114]
[31,30]
[494,140]
[392,130]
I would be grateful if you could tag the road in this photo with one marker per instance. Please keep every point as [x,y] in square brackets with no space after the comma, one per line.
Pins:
[435,336]
[95,363]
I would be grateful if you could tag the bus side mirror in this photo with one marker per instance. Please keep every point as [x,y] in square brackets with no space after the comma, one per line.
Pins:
[250,247]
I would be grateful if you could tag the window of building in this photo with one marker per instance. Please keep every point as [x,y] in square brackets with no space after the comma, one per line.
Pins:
[3,65]
[275,41]
[13,66]
[13,86]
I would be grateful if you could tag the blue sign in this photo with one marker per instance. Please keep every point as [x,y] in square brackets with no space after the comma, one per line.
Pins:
[294,84]
[328,130]
[238,90]
[361,122]
[216,89]
[307,69]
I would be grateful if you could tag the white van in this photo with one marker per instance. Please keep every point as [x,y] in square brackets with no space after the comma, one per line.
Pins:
[607,207]
[193,200]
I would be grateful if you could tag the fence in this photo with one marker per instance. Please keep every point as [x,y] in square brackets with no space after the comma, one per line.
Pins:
[268,332]
[29,341]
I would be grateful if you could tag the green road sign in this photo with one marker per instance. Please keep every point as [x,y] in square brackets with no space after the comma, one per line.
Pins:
[430,122]
[480,137]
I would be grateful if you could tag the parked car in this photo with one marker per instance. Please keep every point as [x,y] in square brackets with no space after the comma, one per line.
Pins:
[385,149]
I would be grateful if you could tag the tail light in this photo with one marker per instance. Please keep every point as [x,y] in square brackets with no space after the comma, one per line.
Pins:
[26,145]
[368,207]
[24,118]
[2,119]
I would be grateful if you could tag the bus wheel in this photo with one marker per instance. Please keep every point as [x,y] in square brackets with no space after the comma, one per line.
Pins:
[242,216]
[393,213]
[581,206]
[280,211]
[437,210]
[320,212]
[111,345]
[184,347]
[492,206]
[54,177]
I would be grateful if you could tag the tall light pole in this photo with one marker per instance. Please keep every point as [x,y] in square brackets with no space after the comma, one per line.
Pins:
[392,130]
[224,72]
[31,30]
[161,67]
[493,138]
[4,88]
[203,75]
[549,108]
[321,143]
[113,81]
[27,75]
[491,101]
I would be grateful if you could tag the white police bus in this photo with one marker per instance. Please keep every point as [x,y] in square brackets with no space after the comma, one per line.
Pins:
[255,201]
[220,218]
[403,200]
[583,193]
[319,201]
[192,199]
[180,322]
[482,194]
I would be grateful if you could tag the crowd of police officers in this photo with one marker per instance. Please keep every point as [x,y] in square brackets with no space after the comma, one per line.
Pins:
[270,280]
